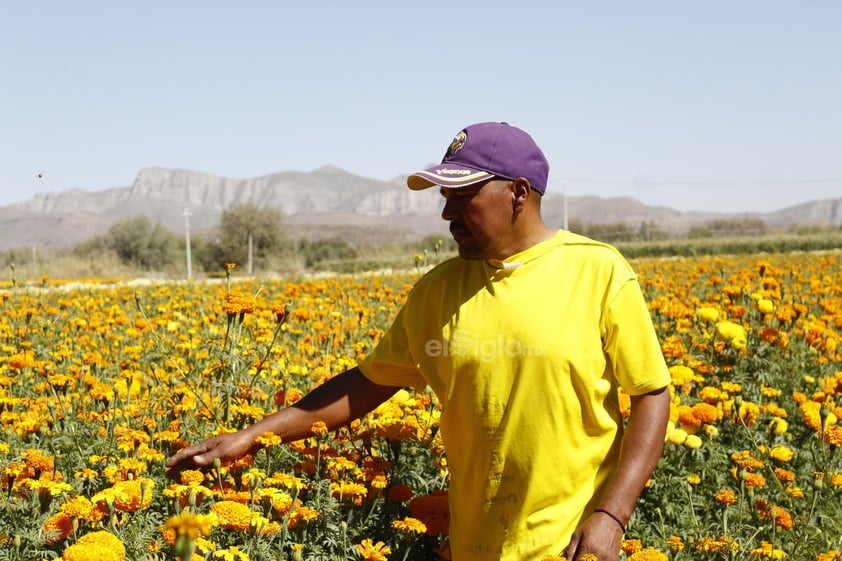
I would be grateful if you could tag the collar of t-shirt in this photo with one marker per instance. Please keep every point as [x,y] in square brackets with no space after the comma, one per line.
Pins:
[530,254]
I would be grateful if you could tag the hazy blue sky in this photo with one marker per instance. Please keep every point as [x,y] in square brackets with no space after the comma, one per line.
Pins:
[705,105]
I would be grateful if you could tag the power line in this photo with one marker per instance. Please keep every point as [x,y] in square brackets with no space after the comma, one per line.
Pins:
[702,183]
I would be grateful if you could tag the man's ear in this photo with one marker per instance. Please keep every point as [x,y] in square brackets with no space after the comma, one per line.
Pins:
[521,192]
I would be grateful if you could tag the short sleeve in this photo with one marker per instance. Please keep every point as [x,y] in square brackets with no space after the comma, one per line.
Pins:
[631,343]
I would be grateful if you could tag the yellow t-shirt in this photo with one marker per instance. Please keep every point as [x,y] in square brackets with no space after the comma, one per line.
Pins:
[525,357]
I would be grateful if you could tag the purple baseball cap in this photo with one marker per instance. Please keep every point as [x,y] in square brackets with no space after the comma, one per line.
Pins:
[483,150]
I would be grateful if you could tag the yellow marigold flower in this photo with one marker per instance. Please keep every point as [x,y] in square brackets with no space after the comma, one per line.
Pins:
[694,479]
[649,554]
[748,413]
[676,436]
[707,314]
[192,477]
[379,481]
[693,441]
[346,490]
[732,333]
[767,551]
[285,480]
[232,553]
[409,525]
[96,546]
[781,453]
[778,425]
[268,439]
[682,375]
[765,306]
[710,394]
[370,551]
[675,543]
[794,492]
[233,515]
[724,545]
[811,414]
[190,525]
[129,496]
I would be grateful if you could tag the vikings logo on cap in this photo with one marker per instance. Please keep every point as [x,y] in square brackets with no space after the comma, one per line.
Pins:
[495,149]
[457,143]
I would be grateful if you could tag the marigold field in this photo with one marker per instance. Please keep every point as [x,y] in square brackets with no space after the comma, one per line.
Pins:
[101,382]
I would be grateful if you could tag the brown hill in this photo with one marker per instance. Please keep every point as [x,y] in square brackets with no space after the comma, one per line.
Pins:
[326,202]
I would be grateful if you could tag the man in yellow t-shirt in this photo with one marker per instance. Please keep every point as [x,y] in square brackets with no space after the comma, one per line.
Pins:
[525,339]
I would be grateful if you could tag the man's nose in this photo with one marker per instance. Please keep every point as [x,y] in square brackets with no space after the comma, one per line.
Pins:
[448,212]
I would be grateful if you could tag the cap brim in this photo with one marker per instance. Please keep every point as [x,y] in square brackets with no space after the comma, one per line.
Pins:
[446,175]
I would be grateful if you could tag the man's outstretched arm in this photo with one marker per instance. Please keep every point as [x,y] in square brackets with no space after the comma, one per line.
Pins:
[337,402]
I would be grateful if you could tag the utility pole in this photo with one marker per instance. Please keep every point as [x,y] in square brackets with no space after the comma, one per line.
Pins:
[564,195]
[251,254]
[187,216]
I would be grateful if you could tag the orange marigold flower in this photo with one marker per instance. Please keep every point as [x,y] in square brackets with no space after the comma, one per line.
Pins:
[281,312]
[630,546]
[433,510]
[785,475]
[755,480]
[399,493]
[781,517]
[746,460]
[319,428]
[237,303]
[725,496]
[57,527]
[302,515]
[706,413]
[833,435]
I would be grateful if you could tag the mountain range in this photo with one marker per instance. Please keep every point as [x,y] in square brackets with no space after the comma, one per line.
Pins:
[323,203]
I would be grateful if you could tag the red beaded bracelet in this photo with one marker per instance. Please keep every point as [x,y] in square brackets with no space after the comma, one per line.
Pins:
[612,515]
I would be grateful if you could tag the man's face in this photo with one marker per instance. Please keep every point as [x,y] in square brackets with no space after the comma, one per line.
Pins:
[480,218]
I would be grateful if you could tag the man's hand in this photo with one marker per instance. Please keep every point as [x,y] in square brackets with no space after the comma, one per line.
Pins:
[225,447]
[599,535]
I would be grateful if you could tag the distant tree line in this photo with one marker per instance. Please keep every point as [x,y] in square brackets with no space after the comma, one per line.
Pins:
[247,233]
[650,231]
